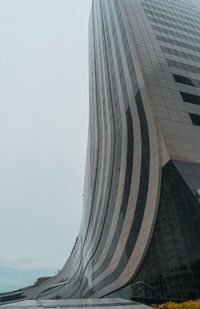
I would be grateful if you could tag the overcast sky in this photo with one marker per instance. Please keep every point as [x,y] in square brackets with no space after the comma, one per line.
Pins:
[43,134]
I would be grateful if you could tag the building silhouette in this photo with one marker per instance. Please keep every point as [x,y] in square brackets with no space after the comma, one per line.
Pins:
[140,231]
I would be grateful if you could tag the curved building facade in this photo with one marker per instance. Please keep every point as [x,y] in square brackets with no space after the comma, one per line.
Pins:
[139,236]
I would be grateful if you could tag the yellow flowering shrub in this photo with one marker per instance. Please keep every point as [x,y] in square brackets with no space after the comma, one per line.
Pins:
[192,304]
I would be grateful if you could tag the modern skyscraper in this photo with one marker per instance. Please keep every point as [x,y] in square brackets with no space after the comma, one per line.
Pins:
[140,230]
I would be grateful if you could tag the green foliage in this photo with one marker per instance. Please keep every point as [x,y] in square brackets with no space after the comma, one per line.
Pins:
[192,304]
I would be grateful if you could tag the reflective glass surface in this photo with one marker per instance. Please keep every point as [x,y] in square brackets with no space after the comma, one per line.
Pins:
[171,269]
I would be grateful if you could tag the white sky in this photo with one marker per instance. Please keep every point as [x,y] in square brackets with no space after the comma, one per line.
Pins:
[43,134]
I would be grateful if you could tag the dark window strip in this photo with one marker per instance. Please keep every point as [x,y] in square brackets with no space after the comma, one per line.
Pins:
[49,290]
[124,203]
[79,281]
[186,80]
[84,285]
[98,160]
[195,119]
[118,117]
[183,66]
[95,305]
[129,162]
[190,98]
[176,34]
[144,173]
[178,43]
[105,201]
[96,183]
[13,297]
[177,4]
[84,233]
[171,13]
[101,160]
[101,188]
[109,199]
[174,26]
[175,7]
[78,273]
[169,18]
[179,53]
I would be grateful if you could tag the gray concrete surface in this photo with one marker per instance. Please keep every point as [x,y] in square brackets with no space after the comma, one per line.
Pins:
[77,303]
